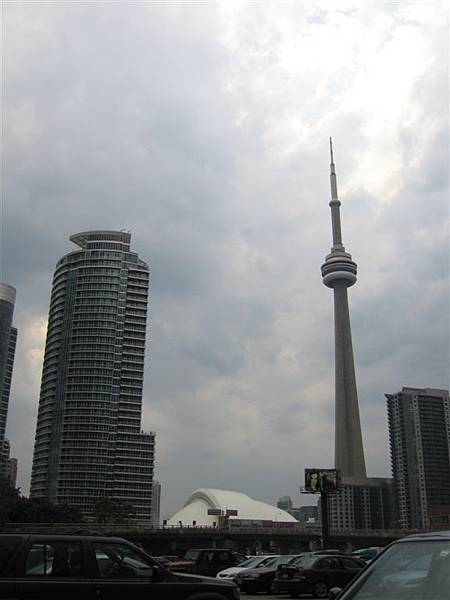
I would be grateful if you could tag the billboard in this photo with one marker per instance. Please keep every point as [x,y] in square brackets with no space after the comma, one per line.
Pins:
[321,480]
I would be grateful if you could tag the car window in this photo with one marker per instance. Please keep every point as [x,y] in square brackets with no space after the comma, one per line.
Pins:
[349,563]
[306,562]
[240,558]
[222,557]
[329,563]
[7,547]
[55,559]
[115,560]
[281,560]
[250,562]
[192,555]
[264,562]
[270,561]
[208,556]
[407,570]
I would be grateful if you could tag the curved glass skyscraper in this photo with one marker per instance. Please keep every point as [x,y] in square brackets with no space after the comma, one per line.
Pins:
[89,442]
[8,338]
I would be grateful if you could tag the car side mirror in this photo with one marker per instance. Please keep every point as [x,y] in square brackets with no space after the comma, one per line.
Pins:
[334,593]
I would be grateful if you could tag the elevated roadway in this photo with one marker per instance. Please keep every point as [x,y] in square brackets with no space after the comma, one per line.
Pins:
[248,540]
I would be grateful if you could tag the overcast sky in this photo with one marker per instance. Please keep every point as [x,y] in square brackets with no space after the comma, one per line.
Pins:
[202,127]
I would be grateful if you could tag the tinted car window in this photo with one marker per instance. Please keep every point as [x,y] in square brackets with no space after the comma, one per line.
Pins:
[115,560]
[56,559]
[329,563]
[306,562]
[251,562]
[7,547]
[280,560]
[349,563]
[222,557]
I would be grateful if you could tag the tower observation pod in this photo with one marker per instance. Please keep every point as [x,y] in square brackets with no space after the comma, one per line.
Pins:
[339,273]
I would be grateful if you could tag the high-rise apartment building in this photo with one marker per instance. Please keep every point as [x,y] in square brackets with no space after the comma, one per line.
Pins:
[308,516]
[8,339]
[89,444]
[156,504]
[8,464]
[419,431]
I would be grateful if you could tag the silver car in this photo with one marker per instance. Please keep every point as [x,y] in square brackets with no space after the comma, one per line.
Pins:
[416,567]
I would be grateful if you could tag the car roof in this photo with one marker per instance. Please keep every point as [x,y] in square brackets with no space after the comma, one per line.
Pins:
[424,537]
[328,554]
[59,536]
[213,549]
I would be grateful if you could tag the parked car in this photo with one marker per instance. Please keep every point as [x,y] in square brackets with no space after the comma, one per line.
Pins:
[316,574]
[414,567]
[169,557]
[207,561]
[367,553]
[261,579]
[55,567]
[255,562]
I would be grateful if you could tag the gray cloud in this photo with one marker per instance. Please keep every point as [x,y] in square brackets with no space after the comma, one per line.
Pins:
[203,129]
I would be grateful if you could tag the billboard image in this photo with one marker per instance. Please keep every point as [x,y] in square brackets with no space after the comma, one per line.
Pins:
[321,480]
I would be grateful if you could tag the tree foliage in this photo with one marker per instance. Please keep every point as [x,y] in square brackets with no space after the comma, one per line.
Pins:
[113,510]
[15,508]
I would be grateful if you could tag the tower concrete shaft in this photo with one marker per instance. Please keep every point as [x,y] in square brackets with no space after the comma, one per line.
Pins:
[339,273]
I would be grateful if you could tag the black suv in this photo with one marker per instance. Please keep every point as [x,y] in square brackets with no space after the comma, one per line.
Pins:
[74,567]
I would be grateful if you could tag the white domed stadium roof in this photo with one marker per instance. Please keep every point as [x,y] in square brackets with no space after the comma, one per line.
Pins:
[197,505]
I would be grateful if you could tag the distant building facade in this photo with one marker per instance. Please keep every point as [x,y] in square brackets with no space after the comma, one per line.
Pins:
[308,516]
[362,503]
[8,340]
[156,504]
[305,515]
[419,431]
[89,442]
[285,503]
[11,471]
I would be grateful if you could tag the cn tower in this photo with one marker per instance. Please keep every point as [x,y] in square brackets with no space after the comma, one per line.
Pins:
[339,273]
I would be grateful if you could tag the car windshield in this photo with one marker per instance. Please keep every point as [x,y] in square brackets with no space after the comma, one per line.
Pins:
[407,571]
[192,555]
[256,561]
[279,560]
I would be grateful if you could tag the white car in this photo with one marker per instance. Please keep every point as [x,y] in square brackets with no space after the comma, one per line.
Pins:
[252,563]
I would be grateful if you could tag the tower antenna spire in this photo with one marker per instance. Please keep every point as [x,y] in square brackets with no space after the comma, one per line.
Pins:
[335,204]
[333,182]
